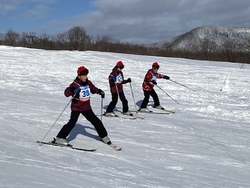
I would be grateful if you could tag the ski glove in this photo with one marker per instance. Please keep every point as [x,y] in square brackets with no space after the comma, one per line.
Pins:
[75,90]
[166,77]
[113,79]
[129,80]
[154,82]
[100,92]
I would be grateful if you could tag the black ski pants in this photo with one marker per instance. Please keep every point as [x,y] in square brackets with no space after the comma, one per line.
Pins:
[90,116]
[114,101]
[147,94]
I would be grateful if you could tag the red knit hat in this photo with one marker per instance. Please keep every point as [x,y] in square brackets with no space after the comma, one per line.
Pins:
[82,70]
[119,64]
[155,65]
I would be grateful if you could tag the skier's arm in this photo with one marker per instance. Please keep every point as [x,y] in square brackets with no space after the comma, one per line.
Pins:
[71,90]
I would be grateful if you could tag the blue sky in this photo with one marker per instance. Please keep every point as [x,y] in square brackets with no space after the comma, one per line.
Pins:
[41,16]
[136,21]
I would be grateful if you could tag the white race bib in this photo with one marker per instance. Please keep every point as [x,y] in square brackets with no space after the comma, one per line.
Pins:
[154,78]
[84,94]
[119,78]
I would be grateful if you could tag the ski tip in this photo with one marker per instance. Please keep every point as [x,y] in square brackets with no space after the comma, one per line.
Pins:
[117,148]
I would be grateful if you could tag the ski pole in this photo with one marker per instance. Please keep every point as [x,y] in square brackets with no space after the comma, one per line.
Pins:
[57,119]
[181,84]
[101,108]
[118,95]
[117,90]
[167,94]
[132,94]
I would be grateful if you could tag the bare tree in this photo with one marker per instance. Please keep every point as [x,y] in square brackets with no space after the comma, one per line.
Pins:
[208,47]
[11,38]
[229,50]
[61,41]
[45,42]
[78,39]
[1,38]
[103,43]
[23,41]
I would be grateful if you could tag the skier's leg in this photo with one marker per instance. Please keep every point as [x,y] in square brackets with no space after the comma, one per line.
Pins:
[146,99]
[113,103]
[66,129]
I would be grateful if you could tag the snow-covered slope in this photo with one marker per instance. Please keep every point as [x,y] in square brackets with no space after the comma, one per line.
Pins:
[204,144]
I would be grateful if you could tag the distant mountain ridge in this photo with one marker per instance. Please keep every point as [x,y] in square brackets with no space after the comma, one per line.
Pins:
[217,37]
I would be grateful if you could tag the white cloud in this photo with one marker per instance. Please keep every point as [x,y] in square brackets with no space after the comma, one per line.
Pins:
[38,11]
[139,21]
[8,6]
[153,21]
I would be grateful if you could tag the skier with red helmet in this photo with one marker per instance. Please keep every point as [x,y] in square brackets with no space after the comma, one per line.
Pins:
[81,89]
[116,80]
[148,87]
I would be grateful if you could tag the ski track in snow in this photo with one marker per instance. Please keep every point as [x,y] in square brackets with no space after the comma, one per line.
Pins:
[204,144]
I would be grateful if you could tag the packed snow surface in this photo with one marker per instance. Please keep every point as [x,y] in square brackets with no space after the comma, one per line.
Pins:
[204,144]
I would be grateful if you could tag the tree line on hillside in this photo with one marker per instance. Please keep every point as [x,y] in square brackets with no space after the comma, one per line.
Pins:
[76,38]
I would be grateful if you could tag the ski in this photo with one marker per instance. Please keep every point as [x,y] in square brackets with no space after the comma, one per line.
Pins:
[169,111]
[110,115]
[115,147]
[115,116]
[166,110]
[123,117]
[138,117]
[66,146]
[154,112]
[133,116]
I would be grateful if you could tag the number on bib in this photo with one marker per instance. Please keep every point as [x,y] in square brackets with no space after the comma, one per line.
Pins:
[84,94]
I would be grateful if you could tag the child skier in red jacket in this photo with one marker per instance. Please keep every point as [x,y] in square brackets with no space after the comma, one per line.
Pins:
[116,80]
[81,89]
[148,87]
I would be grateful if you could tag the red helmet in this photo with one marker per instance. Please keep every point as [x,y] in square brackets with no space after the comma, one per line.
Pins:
[155,65]
[82,71]
[119,64]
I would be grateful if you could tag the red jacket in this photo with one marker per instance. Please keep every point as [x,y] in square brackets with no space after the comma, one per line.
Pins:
[150,75]
[81,101]
[116,78]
